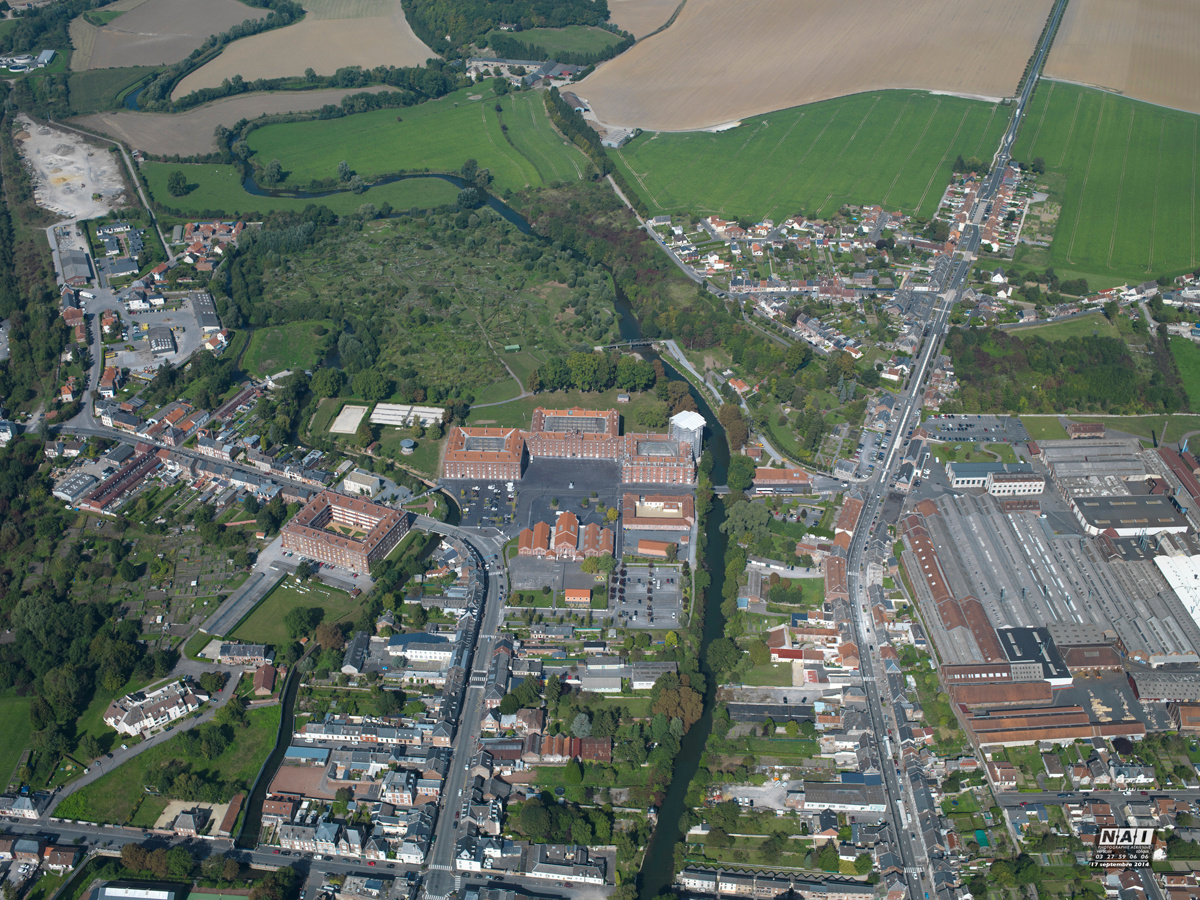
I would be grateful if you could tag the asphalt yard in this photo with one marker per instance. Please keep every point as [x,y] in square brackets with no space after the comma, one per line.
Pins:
[988,429]
[647,597]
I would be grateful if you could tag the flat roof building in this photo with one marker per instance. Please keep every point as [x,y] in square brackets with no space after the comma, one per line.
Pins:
[345,531]
[1128,516]
[484,453]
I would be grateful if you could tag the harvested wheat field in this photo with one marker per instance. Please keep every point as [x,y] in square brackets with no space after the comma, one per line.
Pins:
[334,34]
[191,132]
[158,32]
[722,60]
[641,17]
[1146,49]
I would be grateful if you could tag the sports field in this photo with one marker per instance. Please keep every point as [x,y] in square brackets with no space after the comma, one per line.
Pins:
[1128,175]
[219,187]
[438,136]
[893,148]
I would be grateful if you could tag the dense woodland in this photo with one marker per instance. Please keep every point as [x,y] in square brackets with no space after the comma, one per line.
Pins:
[1003,373]
[466,21]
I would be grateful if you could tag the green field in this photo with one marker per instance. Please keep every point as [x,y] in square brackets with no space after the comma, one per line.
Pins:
[265,625]
[14,719]
[282,347]
[774,674]
[1187,358]
[892,148]
[572,39]
[116,797]
[219,188]
[1044,428]
[99,89]
[438,136]
[1080,326]
[1128,171]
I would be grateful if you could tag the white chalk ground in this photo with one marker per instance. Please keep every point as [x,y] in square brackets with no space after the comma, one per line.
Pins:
[70,176]
[175,807]
[347,420]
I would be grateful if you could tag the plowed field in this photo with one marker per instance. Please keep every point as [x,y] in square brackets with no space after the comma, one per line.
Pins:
[1146,49]
[722,60]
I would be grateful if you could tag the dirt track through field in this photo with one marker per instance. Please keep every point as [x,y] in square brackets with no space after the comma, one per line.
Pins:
[319,42]
[158,32]
[641,17]
[724,60]
[1145,49]
[191,132]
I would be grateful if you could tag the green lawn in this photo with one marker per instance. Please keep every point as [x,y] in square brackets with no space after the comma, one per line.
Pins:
[1081,326]
[264,625]
[1004,451]
[46,886]
[438,136]
[518,412]
[782,747]
[893,148]
[115,797]
[1044,428]
[572,39]
[219,188]
[1187,358]
[14,719]
[1129,175]
[282,347]
[773,674]
[99,89]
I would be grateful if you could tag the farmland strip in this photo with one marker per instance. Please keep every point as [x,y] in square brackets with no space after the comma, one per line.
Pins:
[1042,119]
[1071,131]
[882,141]
[903,165]
[779,185]
[1162,130]
[1195,127]
[752,173]
[1112,241]
[1086,172]
[938,169]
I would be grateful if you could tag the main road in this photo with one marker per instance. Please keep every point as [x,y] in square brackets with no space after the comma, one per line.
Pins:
[903,819]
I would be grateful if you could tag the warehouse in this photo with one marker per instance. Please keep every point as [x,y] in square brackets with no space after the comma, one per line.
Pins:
[1128,516]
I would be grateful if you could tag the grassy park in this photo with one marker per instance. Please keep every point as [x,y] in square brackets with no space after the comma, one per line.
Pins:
[14,719]
[518,145]
[219,187]
[1129,175]
[893,148]
[282,347]
[118,796]
[1187,358]
[1080,326]
[265,625]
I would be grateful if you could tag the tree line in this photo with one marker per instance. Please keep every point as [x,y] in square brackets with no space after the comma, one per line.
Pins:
[449,27]
[510,47]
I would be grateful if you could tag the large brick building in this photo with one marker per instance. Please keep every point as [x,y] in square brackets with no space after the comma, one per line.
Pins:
[500,453]
[485,453]
[375,531]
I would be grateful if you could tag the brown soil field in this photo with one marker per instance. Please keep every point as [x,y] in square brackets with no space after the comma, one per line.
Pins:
[722,60]
[640,17]
[191,132]
[337,33]
[1145,49]
[158,32]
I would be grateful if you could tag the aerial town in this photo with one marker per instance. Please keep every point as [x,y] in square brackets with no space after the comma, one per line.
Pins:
[493,452]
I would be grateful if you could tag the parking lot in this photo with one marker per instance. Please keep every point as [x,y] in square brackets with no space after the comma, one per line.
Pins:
[140,358]
[647,596]
[529,573]
[484,504]
[988,429]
